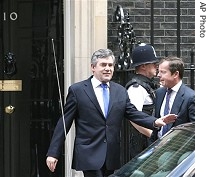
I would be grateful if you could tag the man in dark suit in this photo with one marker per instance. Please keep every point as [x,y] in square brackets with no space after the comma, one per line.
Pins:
[181,98]
[97,141]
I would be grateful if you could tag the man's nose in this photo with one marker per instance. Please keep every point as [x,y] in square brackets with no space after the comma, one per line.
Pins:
[107,67]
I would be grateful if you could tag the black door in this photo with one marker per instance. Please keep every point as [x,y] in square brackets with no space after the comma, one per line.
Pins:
[29,97]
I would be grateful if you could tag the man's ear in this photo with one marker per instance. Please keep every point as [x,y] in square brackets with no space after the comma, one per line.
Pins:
[176,74]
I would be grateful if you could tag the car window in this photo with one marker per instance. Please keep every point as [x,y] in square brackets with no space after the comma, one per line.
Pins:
[162,157]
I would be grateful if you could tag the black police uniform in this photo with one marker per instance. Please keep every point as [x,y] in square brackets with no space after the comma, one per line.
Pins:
[138,141]
[142,54]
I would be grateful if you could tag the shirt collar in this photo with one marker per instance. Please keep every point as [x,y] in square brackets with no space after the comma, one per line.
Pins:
[96,82]
[177,86]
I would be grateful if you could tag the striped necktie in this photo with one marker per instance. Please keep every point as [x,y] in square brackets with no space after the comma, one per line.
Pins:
[166,109]
[105,98]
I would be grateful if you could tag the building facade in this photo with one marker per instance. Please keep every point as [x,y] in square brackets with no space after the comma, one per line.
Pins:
[38,36]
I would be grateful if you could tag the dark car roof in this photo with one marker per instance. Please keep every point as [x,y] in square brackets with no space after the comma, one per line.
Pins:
[172,155]
[187,126]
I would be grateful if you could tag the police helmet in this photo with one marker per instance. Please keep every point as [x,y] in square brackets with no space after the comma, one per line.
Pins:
[143,54]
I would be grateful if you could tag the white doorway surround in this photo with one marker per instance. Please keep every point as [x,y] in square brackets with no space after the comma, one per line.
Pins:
[85,30]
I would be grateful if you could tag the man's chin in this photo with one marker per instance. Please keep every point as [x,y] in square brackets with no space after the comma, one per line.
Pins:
[162,83]
[107,79]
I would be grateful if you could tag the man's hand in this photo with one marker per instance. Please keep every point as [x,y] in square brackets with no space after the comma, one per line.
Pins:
[165,120]
[51,163]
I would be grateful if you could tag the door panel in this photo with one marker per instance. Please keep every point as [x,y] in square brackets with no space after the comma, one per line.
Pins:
[28,84]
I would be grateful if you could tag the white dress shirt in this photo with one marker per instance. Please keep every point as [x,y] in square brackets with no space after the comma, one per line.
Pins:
[139,96]
[171,101]
[99,92]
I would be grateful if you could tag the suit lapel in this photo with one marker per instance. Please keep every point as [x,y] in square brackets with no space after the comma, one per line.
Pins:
[177,102]
[88,88]
[112,93]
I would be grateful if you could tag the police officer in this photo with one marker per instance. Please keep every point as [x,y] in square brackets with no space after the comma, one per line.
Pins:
[141,92]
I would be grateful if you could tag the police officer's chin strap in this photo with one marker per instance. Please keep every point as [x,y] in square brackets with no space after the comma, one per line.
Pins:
[61,104]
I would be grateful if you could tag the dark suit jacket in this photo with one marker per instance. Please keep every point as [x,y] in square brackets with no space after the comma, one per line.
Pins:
[183,106]
[97,138]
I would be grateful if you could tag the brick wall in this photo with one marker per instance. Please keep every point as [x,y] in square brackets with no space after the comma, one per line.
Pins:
[168,25]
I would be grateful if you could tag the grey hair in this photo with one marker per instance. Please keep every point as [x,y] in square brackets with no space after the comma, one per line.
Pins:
[102,53]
